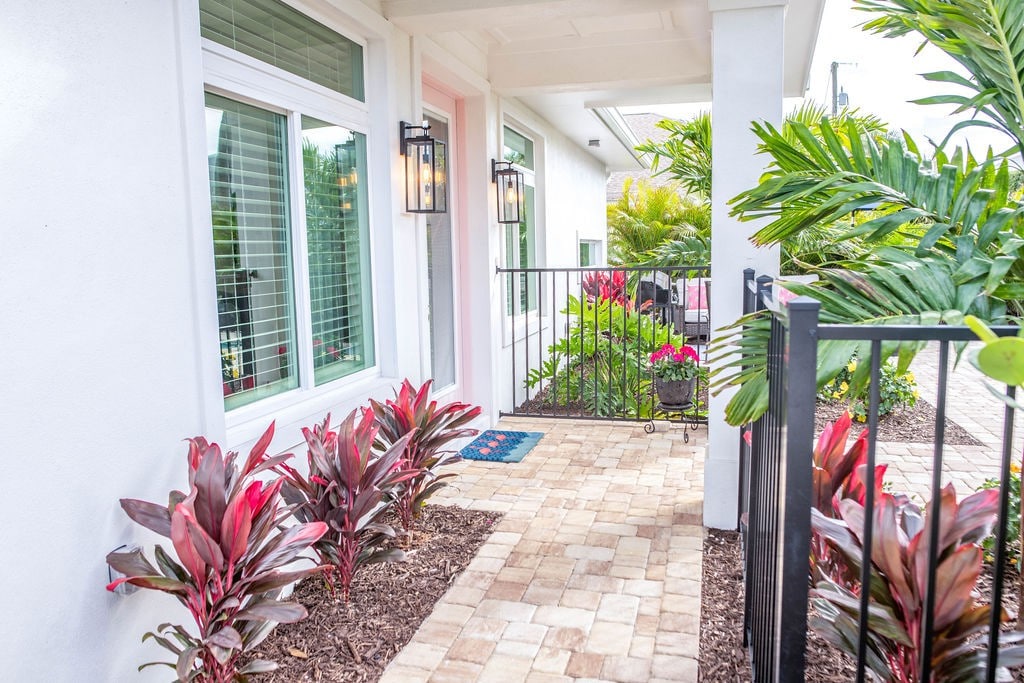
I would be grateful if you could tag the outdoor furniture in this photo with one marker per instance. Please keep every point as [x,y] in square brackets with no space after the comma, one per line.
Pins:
[691,316]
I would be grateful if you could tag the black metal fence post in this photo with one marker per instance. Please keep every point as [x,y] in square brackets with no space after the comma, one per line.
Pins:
[795,493]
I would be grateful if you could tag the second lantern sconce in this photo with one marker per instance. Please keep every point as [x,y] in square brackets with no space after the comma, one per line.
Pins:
[510,191]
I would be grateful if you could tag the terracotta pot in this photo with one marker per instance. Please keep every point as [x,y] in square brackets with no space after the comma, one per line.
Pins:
[677,392]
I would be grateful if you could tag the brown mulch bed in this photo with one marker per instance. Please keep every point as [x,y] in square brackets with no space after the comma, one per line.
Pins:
[722,656]
[546,403]
[914,425]
[356,641]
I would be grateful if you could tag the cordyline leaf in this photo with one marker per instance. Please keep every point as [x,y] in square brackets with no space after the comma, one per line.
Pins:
[235,528]
[154,517]
[272,610]
[205,545]
[227,638]
[131,563]
[286,546]
[955,578]
[185,548]
[258,666]
[269,581]
[209,501]
[186,662]
[259,450]
[154,582]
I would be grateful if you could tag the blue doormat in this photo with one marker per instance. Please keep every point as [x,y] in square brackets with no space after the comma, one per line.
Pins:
[500,446]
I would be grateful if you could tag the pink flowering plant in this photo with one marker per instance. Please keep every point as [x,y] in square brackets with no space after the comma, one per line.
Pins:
[671,363]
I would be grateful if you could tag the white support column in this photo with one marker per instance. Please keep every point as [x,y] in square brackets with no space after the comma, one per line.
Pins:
[747,85]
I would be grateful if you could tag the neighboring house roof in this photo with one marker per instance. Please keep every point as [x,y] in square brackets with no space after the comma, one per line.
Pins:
[645,128]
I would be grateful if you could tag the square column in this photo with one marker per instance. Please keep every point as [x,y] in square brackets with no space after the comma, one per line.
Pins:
[747,85]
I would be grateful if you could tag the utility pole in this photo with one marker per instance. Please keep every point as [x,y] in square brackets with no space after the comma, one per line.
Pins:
[835,89]
[839,98]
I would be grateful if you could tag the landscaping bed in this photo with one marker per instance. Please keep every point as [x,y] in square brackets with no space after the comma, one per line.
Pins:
[357,640]
[912,425]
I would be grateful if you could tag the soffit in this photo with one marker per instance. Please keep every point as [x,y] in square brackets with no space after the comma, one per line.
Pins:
[561,57]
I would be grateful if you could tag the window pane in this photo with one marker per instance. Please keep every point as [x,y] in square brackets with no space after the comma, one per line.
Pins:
[252,250]
[518,149]
[274,33]
[520,252]
[334,169]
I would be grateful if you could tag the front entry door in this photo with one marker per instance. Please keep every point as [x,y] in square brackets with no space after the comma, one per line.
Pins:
[441,253]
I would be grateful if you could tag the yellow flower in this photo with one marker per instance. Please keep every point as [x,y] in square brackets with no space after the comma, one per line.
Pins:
[862,418]
[1015,467]
[844,387]
[852,366]
[909,376]
[917,394]
[836,394]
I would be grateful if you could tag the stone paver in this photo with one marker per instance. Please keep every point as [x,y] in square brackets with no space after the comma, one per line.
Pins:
[594,571]
[970,405]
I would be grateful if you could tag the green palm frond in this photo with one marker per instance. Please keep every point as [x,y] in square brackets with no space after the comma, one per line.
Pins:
[687,151]
[810,183]
[890,286]
[985,36]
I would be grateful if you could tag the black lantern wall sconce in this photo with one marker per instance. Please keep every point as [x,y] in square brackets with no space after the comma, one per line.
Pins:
[510,191]
[426,169]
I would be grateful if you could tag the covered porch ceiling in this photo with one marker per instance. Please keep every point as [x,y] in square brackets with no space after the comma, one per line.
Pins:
[574,61]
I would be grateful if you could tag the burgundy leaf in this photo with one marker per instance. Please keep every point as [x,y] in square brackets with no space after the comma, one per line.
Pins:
[185,548]
[272,610]
[150,515]
[227,638]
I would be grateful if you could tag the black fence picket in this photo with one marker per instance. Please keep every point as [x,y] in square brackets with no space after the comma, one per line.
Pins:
[776,485]
[537,317]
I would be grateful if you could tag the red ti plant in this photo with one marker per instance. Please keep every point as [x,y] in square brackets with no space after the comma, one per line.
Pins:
[349,487]
[429,427]
[837,474]
[898,571]
[600,286]
[230,548]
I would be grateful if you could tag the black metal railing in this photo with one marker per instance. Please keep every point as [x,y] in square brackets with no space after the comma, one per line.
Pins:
[577,340]
[776,486]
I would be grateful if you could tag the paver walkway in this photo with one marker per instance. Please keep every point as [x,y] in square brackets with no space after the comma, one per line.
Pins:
[594,571]
[970,405]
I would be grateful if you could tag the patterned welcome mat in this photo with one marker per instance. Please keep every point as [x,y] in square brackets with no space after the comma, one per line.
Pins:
[499,446]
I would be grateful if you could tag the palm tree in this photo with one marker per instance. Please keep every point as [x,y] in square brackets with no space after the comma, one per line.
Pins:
[646,216]
[687,152]
[946,234]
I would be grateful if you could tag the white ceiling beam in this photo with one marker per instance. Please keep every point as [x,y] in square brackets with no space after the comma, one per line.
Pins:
[639,38]
[433,16]
[603,67]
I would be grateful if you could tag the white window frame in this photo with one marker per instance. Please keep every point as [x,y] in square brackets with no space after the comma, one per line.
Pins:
[518,324]
[239,77]
[597,253]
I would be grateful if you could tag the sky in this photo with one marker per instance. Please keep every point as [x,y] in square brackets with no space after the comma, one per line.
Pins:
[879,75]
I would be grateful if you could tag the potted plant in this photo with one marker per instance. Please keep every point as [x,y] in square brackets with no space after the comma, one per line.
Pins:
[675,374]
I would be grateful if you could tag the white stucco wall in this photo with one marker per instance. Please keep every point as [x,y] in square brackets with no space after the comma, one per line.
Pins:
[110,352]
[100,355]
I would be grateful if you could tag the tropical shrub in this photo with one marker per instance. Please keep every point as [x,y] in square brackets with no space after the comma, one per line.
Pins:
[349,488]
[898,571]
[602,362]
[428,427]
[230,545]
[1012,519]
[948,222]
[895,390]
